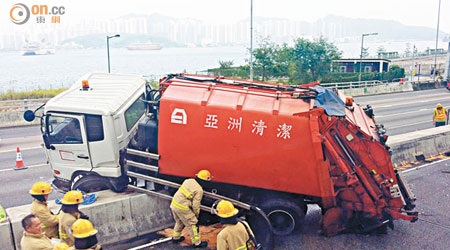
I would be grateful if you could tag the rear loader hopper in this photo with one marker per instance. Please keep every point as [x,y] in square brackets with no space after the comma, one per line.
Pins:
[275,147]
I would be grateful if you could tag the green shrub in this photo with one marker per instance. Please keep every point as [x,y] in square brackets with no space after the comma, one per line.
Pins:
[33,94]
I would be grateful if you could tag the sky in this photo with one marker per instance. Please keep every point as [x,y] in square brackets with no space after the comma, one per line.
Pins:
[409,12]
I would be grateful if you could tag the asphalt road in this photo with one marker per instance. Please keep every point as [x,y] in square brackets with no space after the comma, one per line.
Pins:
[15,184]
[406,112]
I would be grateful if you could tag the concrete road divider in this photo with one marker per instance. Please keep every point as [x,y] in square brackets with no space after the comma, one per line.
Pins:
[379,89]
[410,147]
[117,216]
[6,238]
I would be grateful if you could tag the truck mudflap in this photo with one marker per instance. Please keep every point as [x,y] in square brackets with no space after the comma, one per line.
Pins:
[369,194]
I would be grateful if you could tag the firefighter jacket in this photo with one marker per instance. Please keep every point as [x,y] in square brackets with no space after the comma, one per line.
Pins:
[35,242]
[49,221]
[188,197]
[96,247]
[233,237]
[440,115]
[65,223]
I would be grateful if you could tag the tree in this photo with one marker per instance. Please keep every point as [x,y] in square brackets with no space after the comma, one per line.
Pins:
[225,64]
[380,52]
[407,52]
[313,59]
[365,52]
[264,57]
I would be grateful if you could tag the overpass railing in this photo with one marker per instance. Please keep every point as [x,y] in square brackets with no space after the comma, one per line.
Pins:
[353,85]
[21,105]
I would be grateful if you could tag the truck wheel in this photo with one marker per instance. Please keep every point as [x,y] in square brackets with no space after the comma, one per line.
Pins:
[284,215]
[89,183]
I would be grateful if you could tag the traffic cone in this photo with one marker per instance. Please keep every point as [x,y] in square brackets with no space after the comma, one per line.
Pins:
[19,161]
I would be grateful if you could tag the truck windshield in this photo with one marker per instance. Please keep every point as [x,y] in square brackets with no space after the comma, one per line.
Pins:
[64,130]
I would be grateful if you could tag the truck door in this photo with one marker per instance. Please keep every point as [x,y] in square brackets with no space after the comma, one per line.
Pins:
[68,150]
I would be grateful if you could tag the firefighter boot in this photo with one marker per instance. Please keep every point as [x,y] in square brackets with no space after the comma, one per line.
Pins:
[202,244]
[178,240]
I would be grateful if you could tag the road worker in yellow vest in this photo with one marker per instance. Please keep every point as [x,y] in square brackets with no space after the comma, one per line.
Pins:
[49,222]
[185,208]
[69,214]
[34,238]
[236,234]
[439,116]
[85,236]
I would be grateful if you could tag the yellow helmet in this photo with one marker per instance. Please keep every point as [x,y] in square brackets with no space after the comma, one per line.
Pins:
[225,209]
[204,175]
[72,197]
[61,246]
[439,105]
[40,188]
[83,228]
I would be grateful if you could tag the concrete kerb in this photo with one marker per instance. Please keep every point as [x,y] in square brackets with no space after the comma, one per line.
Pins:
[6,238]
[150,214]
[117,216]
[429,142]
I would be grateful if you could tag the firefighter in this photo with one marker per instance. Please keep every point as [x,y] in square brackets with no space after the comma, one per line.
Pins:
[85,235]
[236,234]
[69,214]
[49,222]
[439,116]
[185,208]
[61,246]
[34,238]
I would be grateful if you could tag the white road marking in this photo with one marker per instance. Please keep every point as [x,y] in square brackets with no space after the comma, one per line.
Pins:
[404,113]
[21,149]
[33,166]
[411,124]
[422,166]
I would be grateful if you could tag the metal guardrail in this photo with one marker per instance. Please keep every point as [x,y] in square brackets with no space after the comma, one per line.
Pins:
[353,85]
[22,105]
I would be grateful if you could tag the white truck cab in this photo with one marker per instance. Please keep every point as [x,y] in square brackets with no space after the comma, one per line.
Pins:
[85,127]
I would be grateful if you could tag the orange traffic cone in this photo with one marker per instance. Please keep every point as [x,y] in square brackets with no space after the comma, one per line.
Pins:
[19,161]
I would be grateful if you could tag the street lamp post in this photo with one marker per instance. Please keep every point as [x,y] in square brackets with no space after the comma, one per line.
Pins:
[361,55]
[251,40]
[107,48]
[437,37]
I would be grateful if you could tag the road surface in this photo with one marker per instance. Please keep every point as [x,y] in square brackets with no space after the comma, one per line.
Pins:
[406,112]
[15,184]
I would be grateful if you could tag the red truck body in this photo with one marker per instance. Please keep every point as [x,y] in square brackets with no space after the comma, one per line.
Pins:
[221,134]
[281,139]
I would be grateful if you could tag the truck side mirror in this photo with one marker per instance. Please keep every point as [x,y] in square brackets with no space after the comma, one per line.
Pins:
[29,116]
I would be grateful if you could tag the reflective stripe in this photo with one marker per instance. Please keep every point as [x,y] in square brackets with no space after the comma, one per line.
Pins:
[185,192]
[440,116]
[244,247]
[179,206]
[175,234]
[196,236]
[43,226]
[63,235]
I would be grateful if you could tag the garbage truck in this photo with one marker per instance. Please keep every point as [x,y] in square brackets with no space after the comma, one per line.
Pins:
[271,146]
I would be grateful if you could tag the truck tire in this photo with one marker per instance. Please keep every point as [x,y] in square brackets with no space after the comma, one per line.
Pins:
[284,215]
[89,183]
